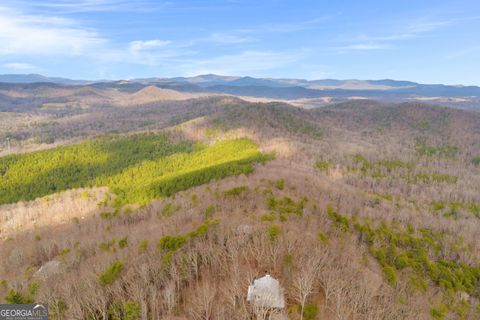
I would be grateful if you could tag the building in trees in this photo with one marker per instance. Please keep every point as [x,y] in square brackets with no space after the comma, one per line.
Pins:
[266,293]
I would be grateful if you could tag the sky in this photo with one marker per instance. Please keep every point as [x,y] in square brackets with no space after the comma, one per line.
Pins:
[424,41]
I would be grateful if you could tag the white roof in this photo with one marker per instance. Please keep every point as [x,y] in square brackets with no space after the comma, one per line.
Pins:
[48,269]
[266,292]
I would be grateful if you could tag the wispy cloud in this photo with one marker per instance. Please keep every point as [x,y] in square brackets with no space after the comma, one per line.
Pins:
[141,45]
[255,63]
[85,6]
[463,52]
[420,27]
[47,35]
[287,27]
[154,52]
[228,38]
[33,32]
[424,25]
[362,47]
[19,66]
[40,34]
[253,34]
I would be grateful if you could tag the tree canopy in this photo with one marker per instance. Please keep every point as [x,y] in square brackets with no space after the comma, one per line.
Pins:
[136,168]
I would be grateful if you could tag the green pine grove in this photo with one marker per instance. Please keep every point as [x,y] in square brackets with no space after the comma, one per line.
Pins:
[424,255]
[136,168]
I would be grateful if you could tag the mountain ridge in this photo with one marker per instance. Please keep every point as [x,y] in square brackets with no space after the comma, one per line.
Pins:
[214,79]
[307,93]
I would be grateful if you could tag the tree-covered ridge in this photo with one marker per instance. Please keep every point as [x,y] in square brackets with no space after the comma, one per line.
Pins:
[424,256]
[272,116]
[166,176]
[137,168]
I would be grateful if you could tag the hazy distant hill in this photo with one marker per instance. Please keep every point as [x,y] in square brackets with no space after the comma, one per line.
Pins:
[35,78]
[312,93]
[212,80]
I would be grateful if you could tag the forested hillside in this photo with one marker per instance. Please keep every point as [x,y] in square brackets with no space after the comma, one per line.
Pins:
[137,168]
[361,210]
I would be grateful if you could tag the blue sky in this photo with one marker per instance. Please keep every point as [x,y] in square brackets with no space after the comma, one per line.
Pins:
[425,41]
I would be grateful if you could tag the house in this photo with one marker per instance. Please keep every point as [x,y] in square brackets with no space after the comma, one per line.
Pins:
[266,293]
[50,268]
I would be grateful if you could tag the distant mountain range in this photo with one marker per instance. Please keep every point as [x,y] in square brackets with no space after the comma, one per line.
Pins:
[269,87]
[38,78]
[210,80]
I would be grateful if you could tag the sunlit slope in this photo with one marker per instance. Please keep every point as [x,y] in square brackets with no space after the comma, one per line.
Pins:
[137,168]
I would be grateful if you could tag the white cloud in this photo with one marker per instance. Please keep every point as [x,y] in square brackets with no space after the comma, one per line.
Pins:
[46,35]
[142,45]
[226,38]
[26,32]
[38,34]
[19,66]
[153,52]
[362,46]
